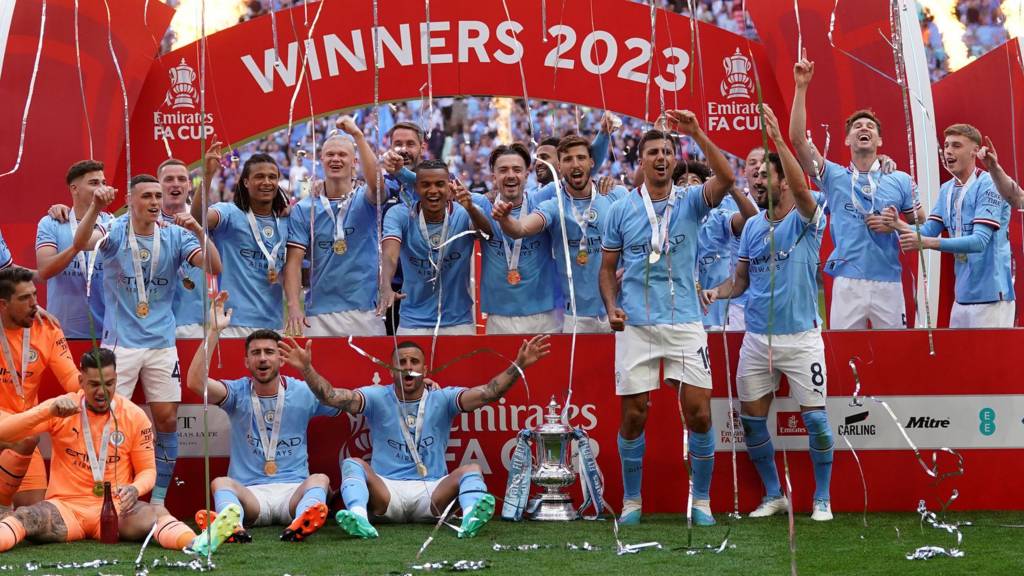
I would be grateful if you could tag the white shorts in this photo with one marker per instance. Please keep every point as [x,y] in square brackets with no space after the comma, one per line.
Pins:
[273,500]
[189,331]
[587,325]
[543,323]
[457,330]
[800,356]
[855,302]
[991,315]
[737,318]
[157,368]
[410,500]
[640,350]
[347,323]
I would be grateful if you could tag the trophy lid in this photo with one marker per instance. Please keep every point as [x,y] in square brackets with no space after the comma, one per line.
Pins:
[553,420]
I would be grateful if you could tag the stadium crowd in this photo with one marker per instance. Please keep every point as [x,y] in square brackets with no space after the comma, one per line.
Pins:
[603,226]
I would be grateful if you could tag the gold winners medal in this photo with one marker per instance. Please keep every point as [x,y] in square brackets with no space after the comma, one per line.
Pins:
[514,277]
[422,469]
[188,283]
[961,258]
[270,468]
[271,275]
[141,310]
[654,257]
[582,257]
[340,247]
[97,488]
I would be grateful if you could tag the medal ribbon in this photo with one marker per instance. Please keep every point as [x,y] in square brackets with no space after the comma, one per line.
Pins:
[430,247]
[97,464]
[9,359]
[341,216]
[872,186]
[141,288]
[584,220]
[512,254]
[275,429]
[411,442]
[957,204]
[270,255]
[86,258]
[659,227]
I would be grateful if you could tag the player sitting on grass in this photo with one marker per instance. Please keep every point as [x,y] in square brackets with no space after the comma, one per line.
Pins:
[265,409]
[84,426]
[410,422]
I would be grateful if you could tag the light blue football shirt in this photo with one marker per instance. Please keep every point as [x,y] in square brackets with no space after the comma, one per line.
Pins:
[256,303]
[291,454]
[338,282]
[985,276]
[5,254]
[188,303]
[535,292]
[121,326]
[391,457]
[584,277]
[797,242]
[860,253]
[646,295]
[420,305]
[65,292]
[716,259]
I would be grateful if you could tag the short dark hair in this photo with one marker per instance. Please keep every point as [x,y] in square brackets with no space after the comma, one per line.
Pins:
[549,141]
[261,334]
[513,149]
[776,161]
[432,164]
[97,358]
[571,141]
[698,169]
[407,126]
[171,162]
[81,168]
[864,113]
[141,179]
[11,277]
[654,134]
[406,344]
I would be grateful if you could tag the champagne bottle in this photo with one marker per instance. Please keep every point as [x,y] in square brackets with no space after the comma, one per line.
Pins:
[108,517]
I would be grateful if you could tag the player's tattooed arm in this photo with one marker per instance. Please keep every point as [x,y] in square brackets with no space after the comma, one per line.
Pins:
[42,523]
[529,353]
[301,358]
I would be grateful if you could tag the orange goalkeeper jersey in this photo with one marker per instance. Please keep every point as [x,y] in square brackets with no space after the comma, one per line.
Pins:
[49,349]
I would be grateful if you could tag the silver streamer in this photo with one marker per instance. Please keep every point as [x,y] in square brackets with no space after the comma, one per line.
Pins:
[37,566]
[124,97]
[522,76]
[81,80]
[450,566]
[636,548]
[31,91]
[584,547]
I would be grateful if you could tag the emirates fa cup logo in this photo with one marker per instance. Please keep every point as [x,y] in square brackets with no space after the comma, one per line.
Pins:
[737,83]
[182,93]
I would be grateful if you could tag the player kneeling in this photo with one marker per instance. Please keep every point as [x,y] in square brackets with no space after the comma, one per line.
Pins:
[265,409]
[410,422]
[74,498]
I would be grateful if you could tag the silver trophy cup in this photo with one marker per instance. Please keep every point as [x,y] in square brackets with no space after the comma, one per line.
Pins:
[553,471]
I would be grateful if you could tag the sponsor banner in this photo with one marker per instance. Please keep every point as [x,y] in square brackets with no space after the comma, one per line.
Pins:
[191,431]
[604,59]
[932,422]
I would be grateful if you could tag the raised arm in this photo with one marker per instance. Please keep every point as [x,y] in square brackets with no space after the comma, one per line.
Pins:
[747,210]
[367,159]
[211,261]
[810,159]
[197,370]
[481,222]
[718,185]
[86,236]
[532,223]
[301,358]
[211,165]
[1007,188]
[805,201]
[529,353]
[14,427]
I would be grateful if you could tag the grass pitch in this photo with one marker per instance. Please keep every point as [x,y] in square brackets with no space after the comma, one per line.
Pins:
[843,546]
